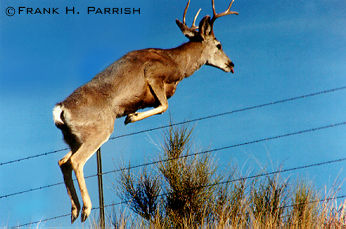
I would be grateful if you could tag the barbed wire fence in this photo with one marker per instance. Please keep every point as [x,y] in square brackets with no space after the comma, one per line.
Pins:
[332,125]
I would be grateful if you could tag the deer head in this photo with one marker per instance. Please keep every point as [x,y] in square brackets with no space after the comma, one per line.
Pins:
[204,33]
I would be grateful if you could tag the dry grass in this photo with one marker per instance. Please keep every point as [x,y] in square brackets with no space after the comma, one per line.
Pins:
[178,194]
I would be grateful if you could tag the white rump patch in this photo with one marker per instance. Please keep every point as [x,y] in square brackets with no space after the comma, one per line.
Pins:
[57,115]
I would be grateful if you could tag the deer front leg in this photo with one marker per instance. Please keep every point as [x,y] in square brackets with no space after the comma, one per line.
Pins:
[159,94]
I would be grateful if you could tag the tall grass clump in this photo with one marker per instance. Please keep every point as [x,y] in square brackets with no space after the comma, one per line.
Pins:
[186,190]
[304,212]
[267,201]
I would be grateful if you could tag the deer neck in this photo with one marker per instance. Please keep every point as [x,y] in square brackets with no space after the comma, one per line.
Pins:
[189,57]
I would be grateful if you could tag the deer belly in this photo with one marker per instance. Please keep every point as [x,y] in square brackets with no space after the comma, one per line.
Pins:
[139,101]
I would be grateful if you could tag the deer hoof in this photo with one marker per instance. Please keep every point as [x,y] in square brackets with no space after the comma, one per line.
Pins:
[74,214]
[85,213]
[131,118]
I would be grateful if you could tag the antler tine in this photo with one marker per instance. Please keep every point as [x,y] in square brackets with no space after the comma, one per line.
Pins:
[189,32]
[194,20]
[227,12]
[186,7]
[214,12]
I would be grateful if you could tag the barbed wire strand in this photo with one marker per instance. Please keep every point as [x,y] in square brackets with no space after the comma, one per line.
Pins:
[193,120]
[231,146]
[234,111]
[33,156]
[189,155]
[42,220]
[316,201]
[126,202]
[249,177]
[286,206]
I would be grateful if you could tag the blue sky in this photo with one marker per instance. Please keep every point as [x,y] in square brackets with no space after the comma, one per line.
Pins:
[281,49]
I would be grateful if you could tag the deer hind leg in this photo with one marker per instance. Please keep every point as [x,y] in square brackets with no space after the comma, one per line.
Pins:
[78,159]
[66,170]
[158,91]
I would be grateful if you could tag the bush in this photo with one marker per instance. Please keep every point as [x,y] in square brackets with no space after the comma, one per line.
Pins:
[185,190]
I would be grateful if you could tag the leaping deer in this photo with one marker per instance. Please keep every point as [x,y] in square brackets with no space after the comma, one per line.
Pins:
[140,79]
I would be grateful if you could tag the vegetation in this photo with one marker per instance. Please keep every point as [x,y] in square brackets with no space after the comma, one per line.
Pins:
[186,190]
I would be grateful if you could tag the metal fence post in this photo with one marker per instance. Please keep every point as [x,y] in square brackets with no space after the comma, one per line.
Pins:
[100,185]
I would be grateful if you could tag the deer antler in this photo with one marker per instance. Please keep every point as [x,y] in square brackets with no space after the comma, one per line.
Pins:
[188,31]
[193,27]
[227,12]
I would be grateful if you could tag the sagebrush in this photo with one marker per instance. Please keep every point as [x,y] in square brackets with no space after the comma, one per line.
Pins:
[187,190]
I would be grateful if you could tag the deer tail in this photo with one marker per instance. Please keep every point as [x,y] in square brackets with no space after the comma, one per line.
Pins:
[58,115]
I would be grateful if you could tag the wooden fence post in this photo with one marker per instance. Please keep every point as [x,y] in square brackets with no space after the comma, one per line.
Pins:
[100,185]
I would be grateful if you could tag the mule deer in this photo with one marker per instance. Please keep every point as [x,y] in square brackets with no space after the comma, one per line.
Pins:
[140,79]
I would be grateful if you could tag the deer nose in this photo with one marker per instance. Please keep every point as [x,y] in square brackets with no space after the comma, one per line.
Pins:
[231,65]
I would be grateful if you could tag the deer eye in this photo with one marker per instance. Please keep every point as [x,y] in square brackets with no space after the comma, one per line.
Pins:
[219,46]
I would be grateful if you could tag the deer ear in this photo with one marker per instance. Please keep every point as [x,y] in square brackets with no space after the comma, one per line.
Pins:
[205,27]
[185,30]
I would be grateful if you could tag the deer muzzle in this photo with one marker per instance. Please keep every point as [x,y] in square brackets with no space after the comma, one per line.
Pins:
[231,66]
